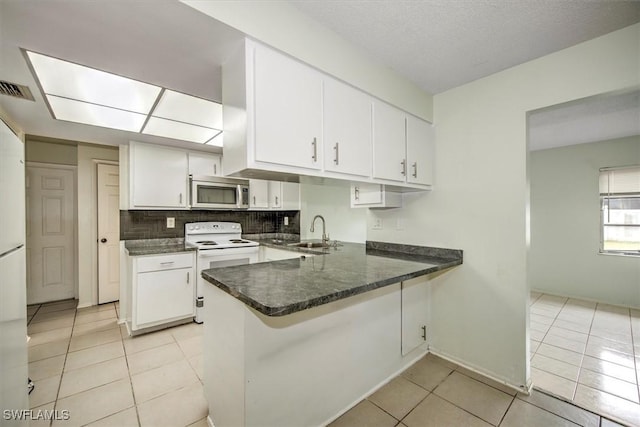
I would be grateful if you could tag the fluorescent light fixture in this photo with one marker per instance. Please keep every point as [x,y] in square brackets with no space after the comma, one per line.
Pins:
[217,141]
[189,109]
[178,130]
[96,115]
[81,94]
[68,80]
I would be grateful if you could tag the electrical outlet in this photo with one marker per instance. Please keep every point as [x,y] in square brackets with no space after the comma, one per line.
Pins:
[400,224]
[171,222]
[377,223]
[286,220]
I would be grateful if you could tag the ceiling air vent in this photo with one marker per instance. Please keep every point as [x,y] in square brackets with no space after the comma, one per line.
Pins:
[15,90]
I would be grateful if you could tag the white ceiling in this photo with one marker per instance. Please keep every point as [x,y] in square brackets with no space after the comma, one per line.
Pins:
[438,44]
[162,42]
[441,44]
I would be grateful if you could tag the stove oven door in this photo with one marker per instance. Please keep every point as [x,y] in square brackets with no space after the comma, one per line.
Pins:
[214,258]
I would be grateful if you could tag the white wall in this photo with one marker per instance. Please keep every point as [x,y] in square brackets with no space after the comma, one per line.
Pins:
[480,198]
[332,202]
[47,152]
[88,156]
[565,224]
[282,26]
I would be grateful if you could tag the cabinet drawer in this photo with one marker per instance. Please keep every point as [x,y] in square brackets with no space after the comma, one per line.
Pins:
[164,262]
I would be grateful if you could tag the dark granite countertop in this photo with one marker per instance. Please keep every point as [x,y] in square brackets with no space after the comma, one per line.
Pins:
[283,287]
[156,246]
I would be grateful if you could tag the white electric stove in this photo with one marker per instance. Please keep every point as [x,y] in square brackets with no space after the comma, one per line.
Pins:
[219,244]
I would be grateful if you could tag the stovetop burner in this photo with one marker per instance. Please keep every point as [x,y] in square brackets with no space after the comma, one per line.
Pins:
[237,241]
[207,242]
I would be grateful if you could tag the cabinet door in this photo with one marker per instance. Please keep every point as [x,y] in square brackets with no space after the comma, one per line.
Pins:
[258,194]
[158,177]
[389,147]
[347,129]
[275,194]
[290,196]
[288,110]
[164,295]
[415,313]
[204,164]
[420,151]
[366,194]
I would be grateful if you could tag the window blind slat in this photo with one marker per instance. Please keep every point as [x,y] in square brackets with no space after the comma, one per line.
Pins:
[617,181]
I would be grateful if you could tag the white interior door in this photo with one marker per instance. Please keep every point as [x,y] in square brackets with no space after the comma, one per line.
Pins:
[108,233]
[51,226]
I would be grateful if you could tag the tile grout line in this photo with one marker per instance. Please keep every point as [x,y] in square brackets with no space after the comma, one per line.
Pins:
[55,402]
[126,359]
[584,352]
[508,408]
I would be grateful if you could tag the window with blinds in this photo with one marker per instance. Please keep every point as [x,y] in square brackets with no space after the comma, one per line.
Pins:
[620,210]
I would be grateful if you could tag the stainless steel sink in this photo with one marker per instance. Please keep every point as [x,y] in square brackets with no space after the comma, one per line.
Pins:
[309,245]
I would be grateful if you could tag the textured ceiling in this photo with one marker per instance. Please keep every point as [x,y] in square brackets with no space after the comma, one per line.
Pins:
[441,44]
[438,44]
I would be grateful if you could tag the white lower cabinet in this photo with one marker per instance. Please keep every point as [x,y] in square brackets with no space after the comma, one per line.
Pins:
[162,289]
[415,313]
[374,196]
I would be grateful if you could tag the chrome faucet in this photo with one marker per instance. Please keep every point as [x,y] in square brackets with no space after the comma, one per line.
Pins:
[325,236]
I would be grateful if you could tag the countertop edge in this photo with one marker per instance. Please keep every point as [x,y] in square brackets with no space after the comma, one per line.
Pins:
[315,302]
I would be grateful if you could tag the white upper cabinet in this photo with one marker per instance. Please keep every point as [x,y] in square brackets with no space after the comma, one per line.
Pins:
[158,177]
[402,146]
[274,195]
[420,151]
[389,149]
[374,196]
[285,117]
[204,164]
[347,129]
[290,196]
[288,108]
[258,194]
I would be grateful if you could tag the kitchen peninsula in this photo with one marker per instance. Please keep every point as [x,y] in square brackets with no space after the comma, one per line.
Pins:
[299,341]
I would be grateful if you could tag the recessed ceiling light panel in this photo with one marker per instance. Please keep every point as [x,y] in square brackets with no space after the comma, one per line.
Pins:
[189,109]
[178,130]
[68,80]
[96,115]
[80,94]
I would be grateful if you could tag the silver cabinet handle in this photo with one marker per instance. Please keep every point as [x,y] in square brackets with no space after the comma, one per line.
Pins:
[276,200]
[167,263]
[337,159]
[415,169]
[404,167]
[180,198]
[356,193]
[315,150]
[215,169]
[187,277]
[254,200]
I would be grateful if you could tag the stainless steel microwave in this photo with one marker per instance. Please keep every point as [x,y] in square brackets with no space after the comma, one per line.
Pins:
[209,192]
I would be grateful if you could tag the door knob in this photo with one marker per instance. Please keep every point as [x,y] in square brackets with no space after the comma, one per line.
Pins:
[103,240]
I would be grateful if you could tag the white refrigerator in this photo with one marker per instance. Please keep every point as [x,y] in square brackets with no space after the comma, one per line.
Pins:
[13,291]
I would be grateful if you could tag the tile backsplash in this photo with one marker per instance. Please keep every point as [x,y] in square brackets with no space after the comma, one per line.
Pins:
[137,224]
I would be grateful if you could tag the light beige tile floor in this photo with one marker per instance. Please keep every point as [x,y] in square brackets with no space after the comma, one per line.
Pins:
[587,353]
[434,392]
[83,362]
[91,368]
